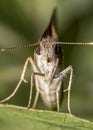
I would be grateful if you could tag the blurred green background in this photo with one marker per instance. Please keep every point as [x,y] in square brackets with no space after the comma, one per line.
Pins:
[23,22]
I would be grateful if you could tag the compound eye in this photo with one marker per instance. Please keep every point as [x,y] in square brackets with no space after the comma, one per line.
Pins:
[58,49]
[37,49]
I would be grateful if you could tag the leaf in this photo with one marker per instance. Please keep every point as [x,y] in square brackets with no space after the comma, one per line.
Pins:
[20,118]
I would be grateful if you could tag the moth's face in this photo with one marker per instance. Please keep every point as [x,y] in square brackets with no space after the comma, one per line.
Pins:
[48,49]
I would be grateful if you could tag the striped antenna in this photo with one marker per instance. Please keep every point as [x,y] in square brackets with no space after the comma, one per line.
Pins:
[76,43]
[30,45]
[17,47]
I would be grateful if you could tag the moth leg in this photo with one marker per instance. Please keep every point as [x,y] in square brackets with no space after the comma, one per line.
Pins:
[30,96]
[58,98]
[19,83]
[55,68]
[69,69]
[36,99]
[21,79]
[37,90]
[63,73]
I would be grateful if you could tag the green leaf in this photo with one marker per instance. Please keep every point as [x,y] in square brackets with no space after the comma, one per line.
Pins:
[20,118]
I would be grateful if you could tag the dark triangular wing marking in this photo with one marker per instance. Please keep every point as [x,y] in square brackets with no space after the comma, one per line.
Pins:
[50,31]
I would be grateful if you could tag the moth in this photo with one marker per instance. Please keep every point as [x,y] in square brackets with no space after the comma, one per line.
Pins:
[48,72]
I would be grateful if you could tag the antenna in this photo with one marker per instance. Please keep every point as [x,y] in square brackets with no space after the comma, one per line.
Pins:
[75,43]
[17,47]
[30,45]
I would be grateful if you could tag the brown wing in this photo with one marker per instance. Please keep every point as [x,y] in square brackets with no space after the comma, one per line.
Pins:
[50,31]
